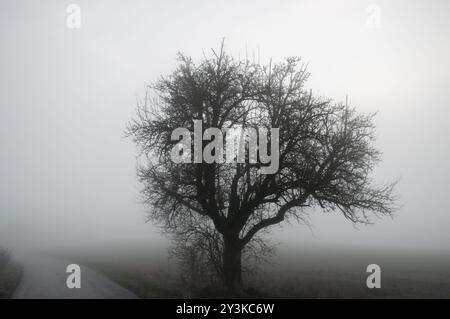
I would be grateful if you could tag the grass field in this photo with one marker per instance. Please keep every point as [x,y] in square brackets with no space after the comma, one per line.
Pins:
[305,272]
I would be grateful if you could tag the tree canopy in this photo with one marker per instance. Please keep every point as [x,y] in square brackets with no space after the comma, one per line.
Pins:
[326,154]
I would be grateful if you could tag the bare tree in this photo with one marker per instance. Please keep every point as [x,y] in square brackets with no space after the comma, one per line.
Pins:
[326,154]
[5,258]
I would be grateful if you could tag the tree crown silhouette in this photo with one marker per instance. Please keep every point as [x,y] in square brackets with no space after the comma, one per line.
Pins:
[326,154]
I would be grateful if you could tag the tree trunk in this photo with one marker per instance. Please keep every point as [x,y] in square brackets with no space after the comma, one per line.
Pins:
[232,266]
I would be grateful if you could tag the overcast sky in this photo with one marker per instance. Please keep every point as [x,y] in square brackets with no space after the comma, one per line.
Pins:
[67,174]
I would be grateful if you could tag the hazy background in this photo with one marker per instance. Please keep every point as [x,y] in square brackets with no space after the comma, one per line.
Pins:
[67,174]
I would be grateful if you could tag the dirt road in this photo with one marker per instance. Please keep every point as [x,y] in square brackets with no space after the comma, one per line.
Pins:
[45,277]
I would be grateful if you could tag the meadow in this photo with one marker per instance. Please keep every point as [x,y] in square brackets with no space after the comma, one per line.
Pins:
[294,272]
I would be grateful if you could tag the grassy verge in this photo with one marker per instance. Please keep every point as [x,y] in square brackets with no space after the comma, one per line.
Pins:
[144,284]
[10,274]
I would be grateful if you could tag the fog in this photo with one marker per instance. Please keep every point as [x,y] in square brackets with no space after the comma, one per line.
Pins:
[68,174]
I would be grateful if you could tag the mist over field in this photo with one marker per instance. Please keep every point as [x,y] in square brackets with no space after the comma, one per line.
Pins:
[68,181]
